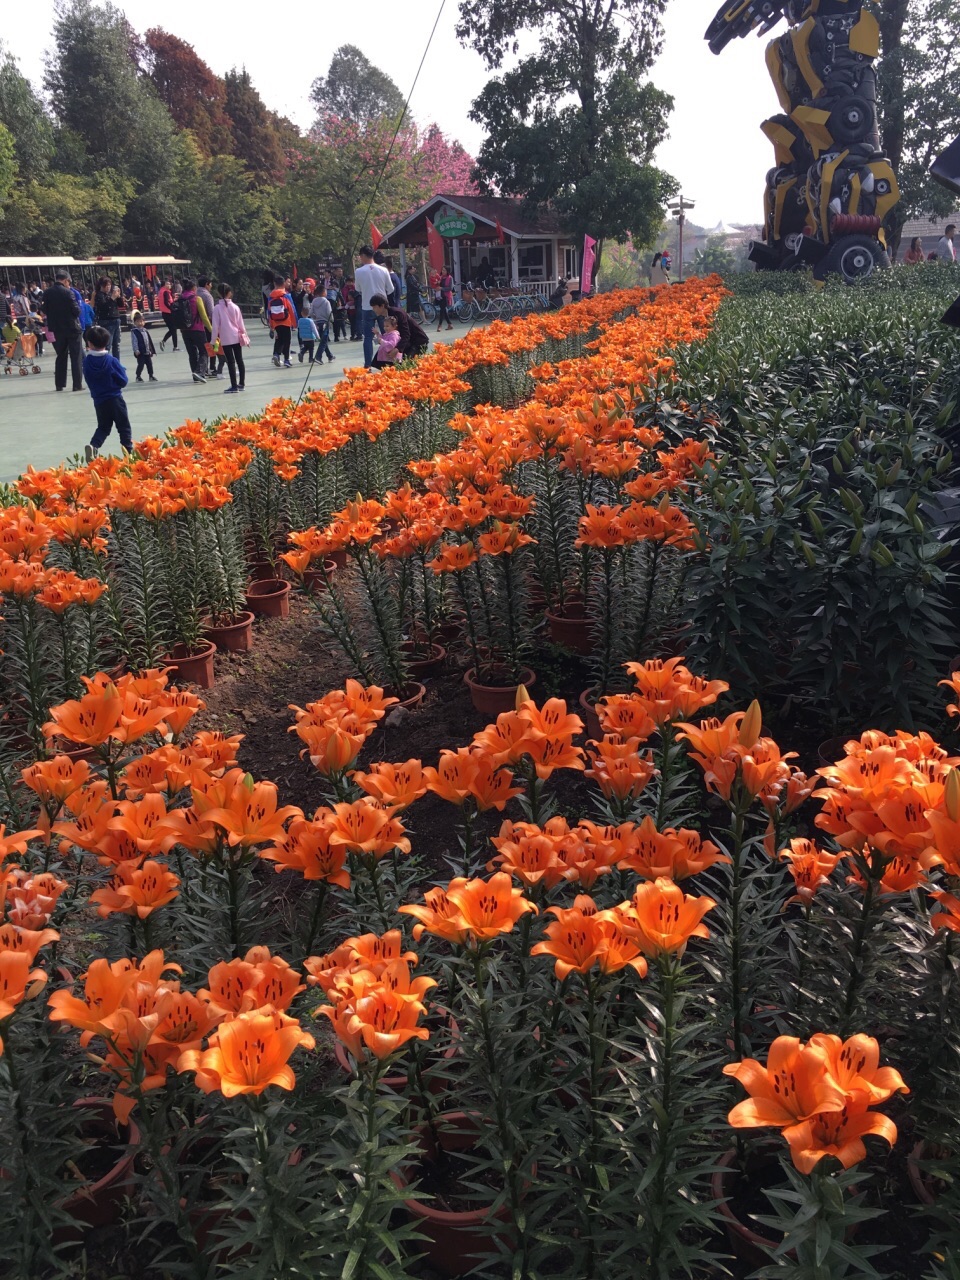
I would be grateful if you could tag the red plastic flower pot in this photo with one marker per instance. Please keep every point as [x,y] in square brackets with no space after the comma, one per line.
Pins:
[588,705]
[424,660]
[571,628]
[319,579]
[99,1201]
[410,695]
[192,665]
[269,598]
[235,636]
[491,699]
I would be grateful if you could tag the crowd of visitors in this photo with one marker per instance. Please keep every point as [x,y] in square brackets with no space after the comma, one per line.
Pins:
[86,327]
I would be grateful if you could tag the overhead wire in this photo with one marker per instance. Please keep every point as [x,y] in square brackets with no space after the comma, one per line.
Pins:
[387,158]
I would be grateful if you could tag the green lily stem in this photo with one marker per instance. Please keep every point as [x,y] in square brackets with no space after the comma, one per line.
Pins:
[736,957]
[861,934]
[670,968]
[316,917]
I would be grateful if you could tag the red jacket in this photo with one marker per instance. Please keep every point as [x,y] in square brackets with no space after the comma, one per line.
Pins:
[280,318]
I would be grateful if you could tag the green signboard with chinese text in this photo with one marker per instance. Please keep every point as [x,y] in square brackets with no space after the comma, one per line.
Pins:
[455,224]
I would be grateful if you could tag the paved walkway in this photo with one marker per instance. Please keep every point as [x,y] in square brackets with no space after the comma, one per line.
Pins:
[42,427]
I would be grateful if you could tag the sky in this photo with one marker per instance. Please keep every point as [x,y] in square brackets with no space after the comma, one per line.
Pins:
[715,148]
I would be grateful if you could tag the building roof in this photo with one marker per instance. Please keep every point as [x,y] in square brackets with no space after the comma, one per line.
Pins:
[927,225]
[485,210]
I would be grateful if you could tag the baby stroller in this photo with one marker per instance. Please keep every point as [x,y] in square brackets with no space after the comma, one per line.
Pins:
[20,351]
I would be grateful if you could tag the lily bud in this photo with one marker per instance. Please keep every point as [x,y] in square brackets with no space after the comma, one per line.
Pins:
[951,795]
[522,696]
[751,725]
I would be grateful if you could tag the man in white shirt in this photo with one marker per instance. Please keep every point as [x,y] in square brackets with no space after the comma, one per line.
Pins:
[369,280]
[946,250]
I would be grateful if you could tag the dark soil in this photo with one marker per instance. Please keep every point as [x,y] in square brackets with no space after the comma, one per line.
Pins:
[293,662]
[456,1183]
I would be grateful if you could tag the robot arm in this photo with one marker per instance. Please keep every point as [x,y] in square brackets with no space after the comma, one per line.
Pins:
[737,19]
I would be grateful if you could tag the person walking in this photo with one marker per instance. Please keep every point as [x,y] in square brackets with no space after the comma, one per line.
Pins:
[397,297]
[143,348]
[62,312]
[946,249]
[371,279]
[106,377]
[165,303]
[106,309]
[914,254]
[208,366]
[444,298]
[230,331]
[321,313]
[413,307]
[352,304]
[308,333]
[195,325]
[283,321]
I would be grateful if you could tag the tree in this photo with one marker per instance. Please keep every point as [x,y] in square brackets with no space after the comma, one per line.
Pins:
[354,89]
[347,174]
[714,256]
[194,96]
[917,77]
[257,134]
[21,111]
[226,225]
[442,164]
[573,124]
[8,164]
[65,214]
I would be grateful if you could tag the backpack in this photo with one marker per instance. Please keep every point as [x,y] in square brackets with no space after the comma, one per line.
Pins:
[182,313]
[277,309]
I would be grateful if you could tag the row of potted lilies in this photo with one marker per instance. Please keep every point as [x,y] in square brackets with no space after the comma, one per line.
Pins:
[171,553]
[666,986]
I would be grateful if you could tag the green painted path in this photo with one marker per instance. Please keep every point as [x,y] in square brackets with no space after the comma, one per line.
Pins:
[43,427]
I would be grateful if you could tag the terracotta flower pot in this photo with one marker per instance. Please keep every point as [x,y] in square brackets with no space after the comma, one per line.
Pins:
[261,569]
[926,1186]
[195,666]
[572,628]
[99,1202]
[235,636]
[318,579]
[339,558]
[269,598]
[453,1241]
[749,1244]
[424,660]
[492,699]
[410,694]
[588,705]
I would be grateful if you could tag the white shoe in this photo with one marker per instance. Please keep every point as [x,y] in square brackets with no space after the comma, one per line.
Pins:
[219,377]
[89,453]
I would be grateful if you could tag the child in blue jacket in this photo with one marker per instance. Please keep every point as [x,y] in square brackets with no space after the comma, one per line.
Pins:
[105,377]
[307,332]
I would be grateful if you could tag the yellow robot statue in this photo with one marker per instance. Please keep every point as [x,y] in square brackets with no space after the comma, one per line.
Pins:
[831,187]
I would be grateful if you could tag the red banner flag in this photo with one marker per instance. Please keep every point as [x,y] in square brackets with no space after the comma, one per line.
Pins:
[435,245]
[375,236]
[501,239]
[294,276]
[589,258]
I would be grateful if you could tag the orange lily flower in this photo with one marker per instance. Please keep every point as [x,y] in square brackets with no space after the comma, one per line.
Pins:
[619,769]
[137,891]
[394,786]
[839,1134]
[364,828]
[14,937]
[580,939]
[29,900]
[306,848]
[439,915]
[250,815]
[488,908]
[662,919]
[948,917]
[18,982]
[529,853]
[248,1054]
[144,821]
[794,1086]
[810,866]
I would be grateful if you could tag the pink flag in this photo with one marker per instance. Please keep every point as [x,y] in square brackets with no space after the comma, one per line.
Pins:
[589,258]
